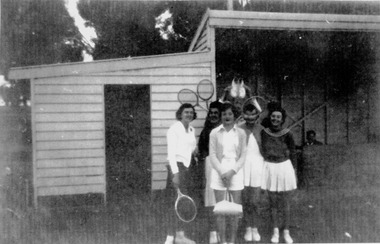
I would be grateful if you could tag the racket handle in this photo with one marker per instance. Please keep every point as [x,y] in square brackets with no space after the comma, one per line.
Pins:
[179,192]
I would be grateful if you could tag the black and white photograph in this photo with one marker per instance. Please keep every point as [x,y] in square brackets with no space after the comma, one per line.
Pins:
[189,121]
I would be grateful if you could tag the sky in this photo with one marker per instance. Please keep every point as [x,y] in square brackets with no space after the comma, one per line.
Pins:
[88,32]
[164,24]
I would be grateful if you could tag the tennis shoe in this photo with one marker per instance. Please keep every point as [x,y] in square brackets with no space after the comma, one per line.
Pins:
[183,240]
[248,234]
[213,237]
[276,236]
[169,240]
[287,237]
[255,235]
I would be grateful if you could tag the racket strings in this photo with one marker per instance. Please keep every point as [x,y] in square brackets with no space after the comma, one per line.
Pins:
[205,89]
[186,209]
[188,96]
[257,101]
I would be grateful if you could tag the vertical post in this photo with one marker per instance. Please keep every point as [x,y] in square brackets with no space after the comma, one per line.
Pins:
[27,193]
[230,5]
[303,112]
[369,85]
[211,34]
[104,146]
[326,111]
[347,119]
[34,143]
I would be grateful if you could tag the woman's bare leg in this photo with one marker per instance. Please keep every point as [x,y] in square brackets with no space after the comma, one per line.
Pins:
[234,220]
[220,220]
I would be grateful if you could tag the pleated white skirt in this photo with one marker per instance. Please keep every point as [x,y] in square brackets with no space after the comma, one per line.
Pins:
[279,177]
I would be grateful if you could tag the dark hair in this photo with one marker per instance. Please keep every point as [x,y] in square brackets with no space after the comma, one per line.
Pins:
[181,108]
[249,107]
[274,106]
[215,104]
[309,132]
[228,105]
[278,109]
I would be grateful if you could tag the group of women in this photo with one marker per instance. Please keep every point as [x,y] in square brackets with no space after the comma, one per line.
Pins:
[240,160]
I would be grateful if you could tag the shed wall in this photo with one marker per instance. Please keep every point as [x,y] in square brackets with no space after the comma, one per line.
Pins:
[202,42]
[69,125]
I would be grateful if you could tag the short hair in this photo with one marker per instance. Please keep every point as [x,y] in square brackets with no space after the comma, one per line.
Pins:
[249,107]
[228,105]
[215,104]
[278,109]
[183,107]
[309,132]
[273,106]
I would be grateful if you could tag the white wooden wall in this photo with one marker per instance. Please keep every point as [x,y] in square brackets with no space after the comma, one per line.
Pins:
[69,125]
[68,136]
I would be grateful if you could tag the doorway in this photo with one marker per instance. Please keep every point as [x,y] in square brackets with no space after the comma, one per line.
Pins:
[128,141]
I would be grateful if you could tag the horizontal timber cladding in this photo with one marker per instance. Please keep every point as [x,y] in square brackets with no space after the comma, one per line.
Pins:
[68,108]
[159,184]
[69,153]
[69,142]
[70,162]
[69,145]
[70,189]
[64,145]
[68,89]
[68,181]
[69,126]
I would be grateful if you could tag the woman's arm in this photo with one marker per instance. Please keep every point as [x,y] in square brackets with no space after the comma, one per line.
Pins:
[172,141]
[203,144]
[243,151]
[213,147]
[292,148]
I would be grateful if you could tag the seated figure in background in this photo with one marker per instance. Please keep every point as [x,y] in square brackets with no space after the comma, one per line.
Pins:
[311,139]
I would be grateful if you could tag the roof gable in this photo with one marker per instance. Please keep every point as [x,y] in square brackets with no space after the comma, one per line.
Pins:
[282,21]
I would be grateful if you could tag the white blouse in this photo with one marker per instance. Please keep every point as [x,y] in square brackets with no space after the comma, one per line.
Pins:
[181,144]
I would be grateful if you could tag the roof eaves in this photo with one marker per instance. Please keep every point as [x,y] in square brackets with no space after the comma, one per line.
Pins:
[110,65]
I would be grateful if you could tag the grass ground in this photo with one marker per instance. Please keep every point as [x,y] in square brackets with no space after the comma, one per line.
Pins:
[319,216]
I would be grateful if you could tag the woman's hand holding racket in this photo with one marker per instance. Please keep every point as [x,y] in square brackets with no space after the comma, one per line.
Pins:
[176,180]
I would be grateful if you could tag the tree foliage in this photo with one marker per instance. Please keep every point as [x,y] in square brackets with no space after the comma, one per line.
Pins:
[37,32]
[127,28]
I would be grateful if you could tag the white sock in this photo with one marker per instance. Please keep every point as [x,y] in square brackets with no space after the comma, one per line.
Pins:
[169,239]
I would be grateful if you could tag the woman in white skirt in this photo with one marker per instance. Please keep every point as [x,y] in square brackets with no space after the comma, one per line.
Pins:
[227,156]
[253,169]
[212,121]
[279,177]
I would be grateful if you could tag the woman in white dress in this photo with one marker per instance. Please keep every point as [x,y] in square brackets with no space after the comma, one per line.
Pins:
[227,156]
[253,168]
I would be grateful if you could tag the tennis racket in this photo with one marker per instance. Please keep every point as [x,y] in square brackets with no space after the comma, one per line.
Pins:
[185,207]
[257,101]
[189,96]
[205,90]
